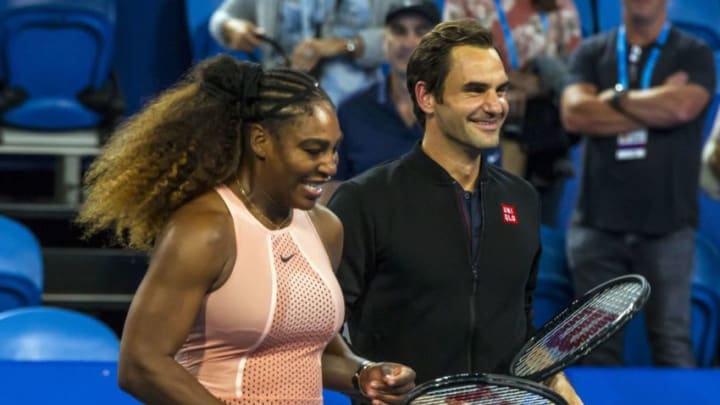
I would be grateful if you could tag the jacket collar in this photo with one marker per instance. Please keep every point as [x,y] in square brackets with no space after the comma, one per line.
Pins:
[419,161]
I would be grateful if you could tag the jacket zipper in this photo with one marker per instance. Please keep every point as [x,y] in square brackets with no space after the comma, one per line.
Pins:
[470,348]
[475,276]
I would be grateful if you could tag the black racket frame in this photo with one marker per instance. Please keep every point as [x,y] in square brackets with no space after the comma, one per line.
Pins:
[485,379]
[593,342]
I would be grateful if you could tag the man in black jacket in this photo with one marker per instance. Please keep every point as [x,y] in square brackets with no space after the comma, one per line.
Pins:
[441,250]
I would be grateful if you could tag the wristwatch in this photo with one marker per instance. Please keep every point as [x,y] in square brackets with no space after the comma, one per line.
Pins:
[356,377]
[351,46]
[619,91]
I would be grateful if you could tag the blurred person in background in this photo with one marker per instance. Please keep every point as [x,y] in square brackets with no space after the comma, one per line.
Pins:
[338,41]
[639,95]
[710,171]
[378,123]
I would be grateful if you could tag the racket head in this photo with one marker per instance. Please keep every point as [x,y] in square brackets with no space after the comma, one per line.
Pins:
[481,389]
[585,324]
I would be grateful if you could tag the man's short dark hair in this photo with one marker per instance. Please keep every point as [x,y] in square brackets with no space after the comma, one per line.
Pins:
[430,62]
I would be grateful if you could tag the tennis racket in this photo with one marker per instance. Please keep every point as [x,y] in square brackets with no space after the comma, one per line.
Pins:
[588,322]
[480,389]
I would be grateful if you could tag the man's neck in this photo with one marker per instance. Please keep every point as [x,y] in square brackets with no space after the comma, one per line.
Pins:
[462,164]
[643,33]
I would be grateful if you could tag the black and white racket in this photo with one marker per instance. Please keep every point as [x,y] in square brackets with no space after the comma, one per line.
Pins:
[585,324]
[482,389]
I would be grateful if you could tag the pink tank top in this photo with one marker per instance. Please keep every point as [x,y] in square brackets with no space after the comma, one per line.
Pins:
[258,339]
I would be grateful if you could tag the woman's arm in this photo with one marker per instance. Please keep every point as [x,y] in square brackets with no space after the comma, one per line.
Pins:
[384,383]
[194,251]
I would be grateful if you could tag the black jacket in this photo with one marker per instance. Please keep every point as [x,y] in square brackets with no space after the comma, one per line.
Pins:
[413,294]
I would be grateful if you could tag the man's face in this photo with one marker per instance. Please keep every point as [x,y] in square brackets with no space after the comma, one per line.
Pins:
[644,11]
[402,36]
[474,104]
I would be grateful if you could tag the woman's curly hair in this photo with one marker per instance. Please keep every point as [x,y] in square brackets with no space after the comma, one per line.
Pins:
[184,143]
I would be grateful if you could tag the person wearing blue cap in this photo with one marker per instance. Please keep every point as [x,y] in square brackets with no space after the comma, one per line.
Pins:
[378,123]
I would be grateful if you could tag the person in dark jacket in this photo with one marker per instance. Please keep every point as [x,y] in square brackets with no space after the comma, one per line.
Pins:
[439,246]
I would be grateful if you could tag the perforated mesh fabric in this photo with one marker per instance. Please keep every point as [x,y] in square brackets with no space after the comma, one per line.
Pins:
[302,324]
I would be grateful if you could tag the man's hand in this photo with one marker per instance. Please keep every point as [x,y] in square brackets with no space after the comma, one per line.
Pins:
[523,86]
[241,35]
[677,79]
[310,52]
[606,95]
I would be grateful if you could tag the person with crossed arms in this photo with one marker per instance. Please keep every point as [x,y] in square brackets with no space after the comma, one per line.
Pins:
[639,94]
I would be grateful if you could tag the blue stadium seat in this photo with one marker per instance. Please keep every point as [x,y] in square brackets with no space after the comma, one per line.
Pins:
[21,266]
[697,17]
[57,94]
[203,45]
[706,302]
[54,334]
[554,290]
[55,62]
[636,351]
[705,326]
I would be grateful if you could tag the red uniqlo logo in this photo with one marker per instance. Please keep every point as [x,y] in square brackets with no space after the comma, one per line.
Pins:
[509,214]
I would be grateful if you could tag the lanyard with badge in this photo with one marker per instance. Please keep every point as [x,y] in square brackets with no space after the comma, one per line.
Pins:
[633,145]
[507,33]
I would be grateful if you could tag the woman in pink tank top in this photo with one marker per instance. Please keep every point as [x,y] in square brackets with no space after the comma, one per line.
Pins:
[218,179]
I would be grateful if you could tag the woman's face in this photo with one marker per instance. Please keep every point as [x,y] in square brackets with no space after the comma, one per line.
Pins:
[304,156]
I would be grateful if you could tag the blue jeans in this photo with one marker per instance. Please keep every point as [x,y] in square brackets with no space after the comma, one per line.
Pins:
[666,261]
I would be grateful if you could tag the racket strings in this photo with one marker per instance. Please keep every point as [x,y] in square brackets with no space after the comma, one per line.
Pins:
[473,394]
[594,317]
